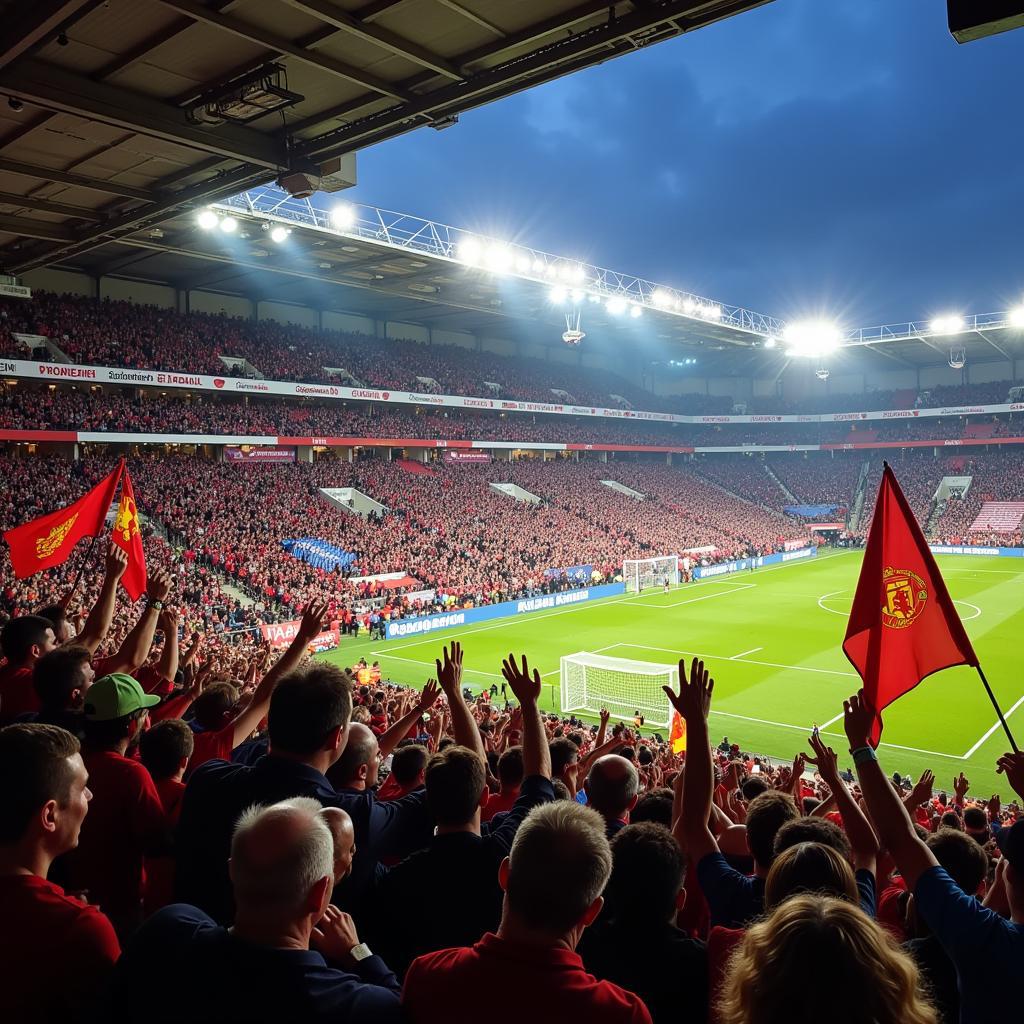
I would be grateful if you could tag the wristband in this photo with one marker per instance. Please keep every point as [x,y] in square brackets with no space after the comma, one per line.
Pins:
[863,754]
[158,605]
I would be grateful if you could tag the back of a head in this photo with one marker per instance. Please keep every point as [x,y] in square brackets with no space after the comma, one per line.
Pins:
[361,747]
[58,674]
[612,785]
[21,634]
[655,805]
[563,753]
[976,823]
[961,856]
[408,763]
[455,778]
[164,747]
[58,619]
[648,870]
[278,853]
[510,768]
[307,706]
[813,956]
[211,707]
[766,814]
[809,867]
[559,864]
[35,761]
[813,830]
[753,787]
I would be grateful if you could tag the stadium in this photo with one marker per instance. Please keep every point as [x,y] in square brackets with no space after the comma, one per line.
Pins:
[294,481]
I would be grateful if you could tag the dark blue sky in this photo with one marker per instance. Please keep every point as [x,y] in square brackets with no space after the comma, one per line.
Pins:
[840,156]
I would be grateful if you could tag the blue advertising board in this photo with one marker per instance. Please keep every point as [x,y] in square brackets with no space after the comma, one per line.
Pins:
[703,572]
[971,549]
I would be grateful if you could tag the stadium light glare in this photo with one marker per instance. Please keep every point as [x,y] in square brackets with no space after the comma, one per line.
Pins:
[538,266]
[1017,317]
[689,305]
[616,305]
[952,324]
[712,312]
[499,259]
[812,338]
[343,216]
[661,298]
[469,252]
[578,274]
[207,220]
[228,224]
[551,270]
[278,234]
[771,342]
[522,265]
[636,311]
[565,272]
[578,295]
[558,295]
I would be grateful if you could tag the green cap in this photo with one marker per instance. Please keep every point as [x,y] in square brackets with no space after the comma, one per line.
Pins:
[115,696]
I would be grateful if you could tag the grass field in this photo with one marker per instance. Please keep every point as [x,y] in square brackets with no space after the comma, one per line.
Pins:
[773,639]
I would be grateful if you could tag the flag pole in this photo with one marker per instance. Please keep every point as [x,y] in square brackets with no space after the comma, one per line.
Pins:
[81,569]
[995,704]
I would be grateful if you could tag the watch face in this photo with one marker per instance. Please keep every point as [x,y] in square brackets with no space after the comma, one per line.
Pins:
[361,952]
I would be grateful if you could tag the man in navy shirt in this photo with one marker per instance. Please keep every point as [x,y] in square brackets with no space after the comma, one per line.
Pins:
[308,727]
[289,956]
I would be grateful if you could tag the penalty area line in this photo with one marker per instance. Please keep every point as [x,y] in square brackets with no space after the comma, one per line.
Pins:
[990,731]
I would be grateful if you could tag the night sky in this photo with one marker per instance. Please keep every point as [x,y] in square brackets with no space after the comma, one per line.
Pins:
[813,156]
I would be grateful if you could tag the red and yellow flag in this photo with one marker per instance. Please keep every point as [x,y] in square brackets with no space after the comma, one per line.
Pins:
[903,626]
[677,734]
[50,539]
[127,536]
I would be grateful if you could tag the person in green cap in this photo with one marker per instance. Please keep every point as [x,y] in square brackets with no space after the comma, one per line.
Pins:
[126,820]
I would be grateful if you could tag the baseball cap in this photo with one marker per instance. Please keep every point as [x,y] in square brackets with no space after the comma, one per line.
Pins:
[1011,845]
[115,696]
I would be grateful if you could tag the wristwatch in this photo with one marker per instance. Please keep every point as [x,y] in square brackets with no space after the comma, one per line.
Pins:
[157,604]
[360,952]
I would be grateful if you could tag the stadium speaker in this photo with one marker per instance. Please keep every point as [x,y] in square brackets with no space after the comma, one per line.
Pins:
[975,19]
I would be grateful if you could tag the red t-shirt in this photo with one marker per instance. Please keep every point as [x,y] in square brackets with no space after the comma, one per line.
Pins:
[212,745]
[160,870]
[55,952]
[126,820]
[460,986]
[498,803]
[17,695]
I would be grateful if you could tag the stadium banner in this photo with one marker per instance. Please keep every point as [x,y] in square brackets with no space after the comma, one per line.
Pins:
[57,372]
[703,572]
[810,511]
[255,453]
[280,635]
[972,549]
[456,455]
[826,526]
[424,624]
[574,573]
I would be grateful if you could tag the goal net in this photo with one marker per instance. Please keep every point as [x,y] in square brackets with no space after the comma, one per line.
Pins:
[640,573]
[592,681]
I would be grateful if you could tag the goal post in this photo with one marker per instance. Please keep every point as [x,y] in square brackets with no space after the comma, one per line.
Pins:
[642,573]
[593,681]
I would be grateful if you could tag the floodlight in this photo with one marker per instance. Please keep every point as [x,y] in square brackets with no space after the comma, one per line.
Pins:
[228,224]
[811,338]
[343,216]
[636,311]
[578,274]
[661,298]
[207,219]
[538,266]
[689,305]
[469,252]
[551,270]
[499,259]
[952,324]
[278,234]
[1017,317]
[558,295]
[522,265]
[770,342]
[616,305]
[712,312]
[565,272]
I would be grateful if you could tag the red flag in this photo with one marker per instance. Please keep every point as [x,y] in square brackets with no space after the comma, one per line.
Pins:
[903,626]
[677,734]
[50,539]
[127,536]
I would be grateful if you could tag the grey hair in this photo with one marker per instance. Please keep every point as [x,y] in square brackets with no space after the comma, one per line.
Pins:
[559,864]
[279,885]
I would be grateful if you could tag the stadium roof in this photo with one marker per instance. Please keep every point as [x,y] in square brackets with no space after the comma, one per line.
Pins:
[124,113]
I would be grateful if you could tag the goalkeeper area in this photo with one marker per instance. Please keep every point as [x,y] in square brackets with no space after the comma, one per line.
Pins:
[772,639]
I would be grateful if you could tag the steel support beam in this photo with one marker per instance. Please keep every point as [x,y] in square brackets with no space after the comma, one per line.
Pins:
[49,86]
[76,180]
[34,23]
[999,349]
[35,229]
[47,206]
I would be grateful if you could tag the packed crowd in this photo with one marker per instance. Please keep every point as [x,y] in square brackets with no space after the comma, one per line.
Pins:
[291,842]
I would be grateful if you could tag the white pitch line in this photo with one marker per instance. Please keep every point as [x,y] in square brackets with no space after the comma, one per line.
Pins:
[993,729]
[766,664]
[743,654]
[707,597]
[831,721]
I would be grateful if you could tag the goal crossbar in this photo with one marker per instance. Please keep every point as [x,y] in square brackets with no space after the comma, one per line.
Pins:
[640,574]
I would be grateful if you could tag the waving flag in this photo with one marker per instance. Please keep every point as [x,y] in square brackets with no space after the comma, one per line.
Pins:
[677,734]
[50,539]
[903,626]
[128,537]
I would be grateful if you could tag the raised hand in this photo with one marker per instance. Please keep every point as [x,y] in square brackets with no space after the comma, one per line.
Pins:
[824,759]
[116,562]
[923,788]
[960,787]
[1012,766]
[604,714]
[994,806]
[526,688]
[428,696]
[167,622]
[858,721]
[335,936]
[158,586]
[449,672]
[694,698]
[312,622]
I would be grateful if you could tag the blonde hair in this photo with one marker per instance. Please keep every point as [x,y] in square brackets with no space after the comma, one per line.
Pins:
[814,955]
[809,868]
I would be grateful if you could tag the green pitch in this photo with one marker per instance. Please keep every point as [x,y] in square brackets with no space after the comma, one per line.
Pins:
[772,638]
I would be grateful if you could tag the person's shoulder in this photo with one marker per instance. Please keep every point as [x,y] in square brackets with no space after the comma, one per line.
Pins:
[611,1002]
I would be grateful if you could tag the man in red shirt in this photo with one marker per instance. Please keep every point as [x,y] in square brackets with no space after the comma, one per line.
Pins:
[24,641]
[45,933]
[510,776]
[127,820]
[553,879]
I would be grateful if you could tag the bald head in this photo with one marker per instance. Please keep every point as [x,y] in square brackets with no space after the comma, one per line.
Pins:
[612,786]
[357,766]
[279,858]
[344,836]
